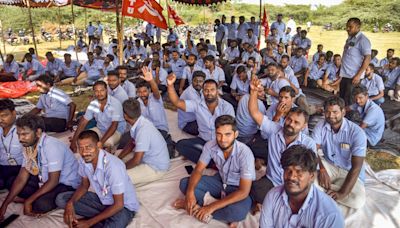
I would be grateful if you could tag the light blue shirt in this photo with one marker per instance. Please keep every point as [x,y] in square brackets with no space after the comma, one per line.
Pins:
[318,210]
[253,40]
[279,26]
[316,72]
[205,119]
[118,93]
[110,178]
[316,56]
[217,75]
[93,70]
[10,147]
[188,73]
[54,156]
[375,61]
[246,125]
[304,43]
[276,146]
[55,103]
[373,116]
[162,76]
[71,70]
[172,37]
[298,64]
[177,67]
[112,113]
[90,30]
[232,30]
[289,74]
[239,86]
[355,49]
[219,35]
[391,77]
[231,53]
[333,72]
[339,147]
[150,141]
[286,38]
[384,62]
[276,86]
[239,165]
[274,38]
[129,88]
[12,68]
[53,67]
[139,51]
[374,86]
[242,30]
[155,112]
[35,65]
[255,26]
[188,94]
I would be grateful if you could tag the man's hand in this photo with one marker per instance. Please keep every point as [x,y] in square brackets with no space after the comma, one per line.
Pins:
[282,109]
[69,215]
[190,203]
[305,83]
[73,146]
[171,79]
[203,212]
[336,195]
[147,74]
[323,179]
[356,80]
[82,224]
[255,84]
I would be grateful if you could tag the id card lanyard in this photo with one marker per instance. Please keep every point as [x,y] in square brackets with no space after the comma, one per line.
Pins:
[39,158]
[225,178]
[105,188]
[11,161]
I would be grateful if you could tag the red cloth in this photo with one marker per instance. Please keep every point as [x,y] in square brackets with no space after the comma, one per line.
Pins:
[16,89]
[172,14]
[148,10]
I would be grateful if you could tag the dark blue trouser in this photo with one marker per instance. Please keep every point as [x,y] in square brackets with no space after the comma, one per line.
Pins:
[90,205]
[190,148]
[213,184]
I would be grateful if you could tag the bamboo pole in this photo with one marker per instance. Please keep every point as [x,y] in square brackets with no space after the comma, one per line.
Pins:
[2,38]
[121,43]
[119,30]
[59,25]
[31,24]
[73,28]
[169,26]
[86,23]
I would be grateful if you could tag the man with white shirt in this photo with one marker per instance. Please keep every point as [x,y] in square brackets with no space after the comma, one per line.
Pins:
[33,68]
[188,71]
[114,88]
[292,25]
[374,85]
[90,29]
[241,30]
[219,30]
[212,71]
[279,25]
[232,30]
[250,38]
[67,71]
[232,53]
[128,86]
[53,65]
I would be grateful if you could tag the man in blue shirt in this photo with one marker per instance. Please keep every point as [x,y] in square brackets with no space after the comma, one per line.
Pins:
[279,25]
[299,64]
[150,159]
[113,202]
[385,61]
[315,72]
[374,85]
[53,65]
[47,158]
[373,118]
[230,186]
[239,86]
[391,73]
[241,30]
[344,146]
[128,86]
[67,71]
[355,59]
[219,30]
[319,52]
[93,71]
[10,70]
[114,88]
[107,111]
[33,68]
[298,203]
[11,156]
[59,109]
[331,79]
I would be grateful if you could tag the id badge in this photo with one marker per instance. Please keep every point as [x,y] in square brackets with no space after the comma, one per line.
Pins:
[223,194]
[12,161]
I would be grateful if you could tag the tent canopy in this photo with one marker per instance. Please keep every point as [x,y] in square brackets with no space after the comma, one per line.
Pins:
[35,3]
[199,2]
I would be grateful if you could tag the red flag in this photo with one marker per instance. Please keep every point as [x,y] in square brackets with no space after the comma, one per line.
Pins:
[148,10]
[265,23]
[173,15]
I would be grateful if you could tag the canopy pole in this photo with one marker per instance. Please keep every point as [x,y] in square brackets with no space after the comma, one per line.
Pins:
[31,24]
[73,29]
[259,27]
[2,38]
[59,25]
[169,26]
[121,43]
[119,30]
[85,22]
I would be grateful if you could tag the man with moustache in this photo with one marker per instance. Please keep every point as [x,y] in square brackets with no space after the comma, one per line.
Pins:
[230,186]
[11,155]
[374,85]
[113,202]
[279,139]
[47,158]
[298,202]
[206,111]
[114,88]
[188,71]
[128,86]
[344,146]
[59,109]
[273,83]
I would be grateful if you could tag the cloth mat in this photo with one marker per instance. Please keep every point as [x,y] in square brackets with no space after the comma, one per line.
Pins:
[382,208]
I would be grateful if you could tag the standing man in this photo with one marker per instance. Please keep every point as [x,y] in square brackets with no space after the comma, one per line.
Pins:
[355,59]
[242,30]
[279,25]
[99,31]
[90,29]
[232,30]
[113,202]
[219,30]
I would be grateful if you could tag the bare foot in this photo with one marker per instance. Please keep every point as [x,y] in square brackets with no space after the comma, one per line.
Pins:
[233,224]
[256,209]
[179,204]
[18,200]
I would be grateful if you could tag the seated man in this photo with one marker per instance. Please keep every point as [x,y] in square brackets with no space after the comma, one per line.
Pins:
[160,75]
[67,71]
[113,202]
[187,120]
[10,71]
[188,72]
[331,79]
[176,64]
[48,159]
[239,86]
[298,201]
[230,186]
[206,111]
[11,156]
[53,65]
[151,158]
[394,94]
[319,52]
[374,85]
[344,146]
[299,64]
[107,111]
[33,68]
[391,73]
[277,112]
[59,109]
[279,139]
[273,83]
[314,72]
[373,118]
[128,86]
[212,71]
[89,72]
[114,88]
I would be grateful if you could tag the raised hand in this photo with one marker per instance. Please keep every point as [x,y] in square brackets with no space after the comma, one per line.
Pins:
[171,79]
[255,84]
[147,74]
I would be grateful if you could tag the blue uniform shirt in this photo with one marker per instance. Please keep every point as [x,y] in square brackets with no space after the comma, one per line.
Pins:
[118,93]
[110,178]
[276,86]
[129,88]
[298,64]
[177,67]
[55,103]
[206,120]
[93,70]
[53,67]
[316,72]
[12,68]
[188,73]
[242,30]
[316,56]
[10,148]
[391,77]
[71,70]
[155,148]
[339,147]
[218,74]
[239,165]
[112,112]
[245,124]
[276,146]
[35,65]
[239,86]
[355,49]
[333,72]
[155,112]
[318,210]
[185,117]
[374,86]
[279,26]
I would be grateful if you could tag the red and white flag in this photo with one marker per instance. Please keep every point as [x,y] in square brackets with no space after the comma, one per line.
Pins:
[173,15]
[148,10]
[265,23]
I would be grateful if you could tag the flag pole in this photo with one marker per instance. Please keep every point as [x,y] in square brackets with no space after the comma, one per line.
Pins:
[119,29]
[73,29]
[259,29]
[168,14]
[59,25]
[31,24]
[85,23]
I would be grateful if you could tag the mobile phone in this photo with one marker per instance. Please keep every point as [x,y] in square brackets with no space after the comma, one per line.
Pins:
[189,169]
[8,220]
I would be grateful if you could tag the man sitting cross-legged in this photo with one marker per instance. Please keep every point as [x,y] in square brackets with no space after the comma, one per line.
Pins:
[230,186]
[113,202]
